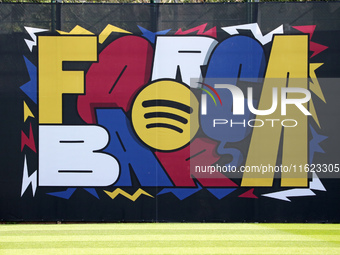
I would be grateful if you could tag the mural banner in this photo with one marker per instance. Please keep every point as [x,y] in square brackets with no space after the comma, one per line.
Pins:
[214,112]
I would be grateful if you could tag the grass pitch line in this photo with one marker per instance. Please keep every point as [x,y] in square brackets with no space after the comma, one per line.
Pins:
[170,238]
[179,237]
[170,226]
[176,251]
[154,244]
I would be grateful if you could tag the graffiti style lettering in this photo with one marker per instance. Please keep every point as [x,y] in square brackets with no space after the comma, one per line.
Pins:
[236,58]
[68,156]
[141,100]
[186,53]
[53,81]
[288,58]
[124,66]
[130,151]
[181,170]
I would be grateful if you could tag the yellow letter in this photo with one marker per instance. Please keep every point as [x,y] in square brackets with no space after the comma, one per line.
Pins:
[288,64]
[53,81]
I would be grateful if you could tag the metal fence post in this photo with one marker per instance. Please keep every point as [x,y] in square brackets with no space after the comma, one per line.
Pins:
[53,14]
[58,14]
[252,11]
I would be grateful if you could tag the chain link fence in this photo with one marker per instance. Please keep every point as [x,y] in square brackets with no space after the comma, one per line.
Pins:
[156,1]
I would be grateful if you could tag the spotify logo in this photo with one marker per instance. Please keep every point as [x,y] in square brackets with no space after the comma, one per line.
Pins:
[165,115]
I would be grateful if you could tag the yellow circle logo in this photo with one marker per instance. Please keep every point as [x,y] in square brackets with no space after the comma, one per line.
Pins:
[165,115]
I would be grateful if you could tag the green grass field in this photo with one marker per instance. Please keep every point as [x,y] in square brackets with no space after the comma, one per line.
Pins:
[170,238]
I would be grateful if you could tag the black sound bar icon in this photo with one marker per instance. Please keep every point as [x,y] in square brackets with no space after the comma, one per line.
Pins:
[166,115]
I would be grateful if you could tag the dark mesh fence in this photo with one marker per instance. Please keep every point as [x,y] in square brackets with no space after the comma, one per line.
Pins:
[154,1]
[13,17]
[201,201]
